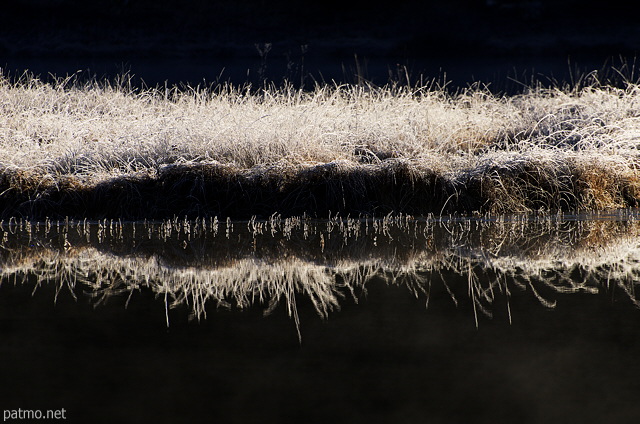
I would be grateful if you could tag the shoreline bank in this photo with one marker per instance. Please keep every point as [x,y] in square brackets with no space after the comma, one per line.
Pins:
[391,186]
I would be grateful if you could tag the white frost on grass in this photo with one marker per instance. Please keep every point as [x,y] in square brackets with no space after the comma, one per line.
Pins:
[98,128]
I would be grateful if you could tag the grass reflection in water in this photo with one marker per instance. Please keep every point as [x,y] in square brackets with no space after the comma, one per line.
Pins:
[281,261]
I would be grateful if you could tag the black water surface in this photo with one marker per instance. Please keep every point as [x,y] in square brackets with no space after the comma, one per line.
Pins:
[386,359]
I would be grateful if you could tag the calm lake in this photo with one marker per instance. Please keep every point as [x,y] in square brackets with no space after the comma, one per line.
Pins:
[529,319]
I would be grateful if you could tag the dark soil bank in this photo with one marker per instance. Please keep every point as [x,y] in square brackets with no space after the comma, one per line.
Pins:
[393,186]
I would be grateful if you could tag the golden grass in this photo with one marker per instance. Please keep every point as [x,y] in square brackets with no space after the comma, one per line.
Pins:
[109,150]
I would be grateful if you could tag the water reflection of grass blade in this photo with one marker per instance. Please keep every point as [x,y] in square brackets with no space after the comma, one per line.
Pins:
[280,262]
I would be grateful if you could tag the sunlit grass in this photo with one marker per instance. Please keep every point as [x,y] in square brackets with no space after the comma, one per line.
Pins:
[67,144]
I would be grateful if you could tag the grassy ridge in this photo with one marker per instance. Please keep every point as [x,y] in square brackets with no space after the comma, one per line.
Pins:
[101,149]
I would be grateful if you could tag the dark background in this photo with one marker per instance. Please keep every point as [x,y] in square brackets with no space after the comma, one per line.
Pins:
[386,359]
[188,41]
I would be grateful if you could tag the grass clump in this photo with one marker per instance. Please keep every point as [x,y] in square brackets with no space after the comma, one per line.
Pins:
[99,149]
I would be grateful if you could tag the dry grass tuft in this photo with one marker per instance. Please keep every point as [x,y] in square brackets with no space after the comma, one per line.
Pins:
[106,150]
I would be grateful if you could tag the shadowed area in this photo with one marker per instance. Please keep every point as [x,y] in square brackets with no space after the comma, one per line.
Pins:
[375,190]
[472,40]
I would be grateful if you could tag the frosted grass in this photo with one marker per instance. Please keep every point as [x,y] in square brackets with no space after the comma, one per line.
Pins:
[99,130]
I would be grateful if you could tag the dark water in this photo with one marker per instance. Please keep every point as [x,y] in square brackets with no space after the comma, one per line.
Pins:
[524,319]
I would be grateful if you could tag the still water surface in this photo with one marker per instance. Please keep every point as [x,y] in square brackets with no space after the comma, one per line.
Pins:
[525,319]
